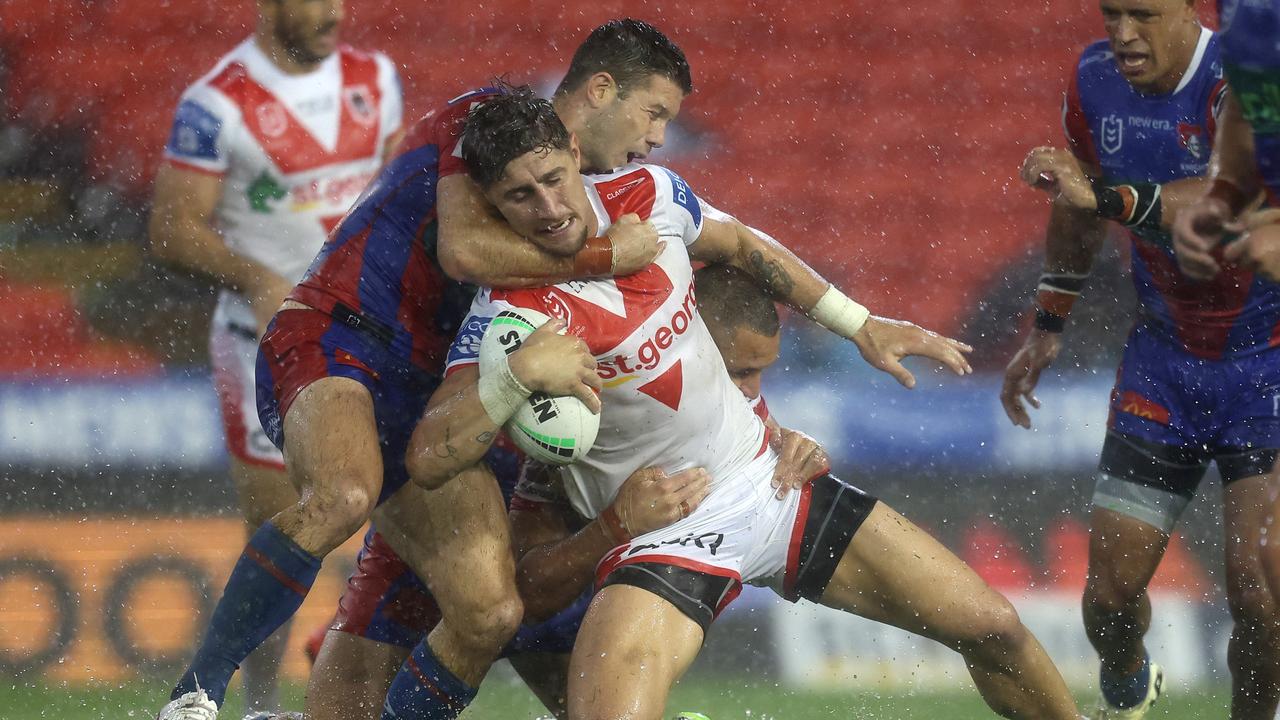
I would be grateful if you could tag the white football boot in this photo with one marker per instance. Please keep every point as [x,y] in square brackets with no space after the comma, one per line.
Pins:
[194,705]
[1155,686]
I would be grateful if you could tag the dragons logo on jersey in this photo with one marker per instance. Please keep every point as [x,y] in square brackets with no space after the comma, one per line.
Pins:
[359,104]
[1112,133]
[272,120]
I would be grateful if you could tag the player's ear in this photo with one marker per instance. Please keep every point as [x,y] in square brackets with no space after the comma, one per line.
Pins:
[601,89]
[575,150]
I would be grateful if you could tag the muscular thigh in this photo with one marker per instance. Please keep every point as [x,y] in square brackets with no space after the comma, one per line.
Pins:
[1248,505]
[894,572]
[632,647]
[331,436]
[456,537]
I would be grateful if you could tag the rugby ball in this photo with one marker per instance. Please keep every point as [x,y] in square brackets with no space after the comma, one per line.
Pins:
[554,430]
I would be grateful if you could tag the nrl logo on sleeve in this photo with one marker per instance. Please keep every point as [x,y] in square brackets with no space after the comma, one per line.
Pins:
[1112,133]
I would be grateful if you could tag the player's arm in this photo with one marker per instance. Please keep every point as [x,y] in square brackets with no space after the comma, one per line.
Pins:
[554,566]
[466,411]
[883,343]
[477,246]
[182,234]
[1234,183]
[1072,241]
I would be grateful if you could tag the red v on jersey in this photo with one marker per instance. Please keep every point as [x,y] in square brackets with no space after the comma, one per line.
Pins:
[285,140]
[667,387]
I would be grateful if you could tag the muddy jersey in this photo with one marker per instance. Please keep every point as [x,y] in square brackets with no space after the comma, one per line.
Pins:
[1135,137]
[1251,55]
[668,400]
[294,151]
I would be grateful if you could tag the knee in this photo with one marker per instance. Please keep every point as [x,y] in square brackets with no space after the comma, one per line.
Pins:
[489,623]
[1106,595]
[1253,606]
[994,630]
[338,513]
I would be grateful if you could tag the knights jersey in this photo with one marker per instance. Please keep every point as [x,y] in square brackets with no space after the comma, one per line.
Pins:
[381,264]
[1251,57]
[668,400]
[1135,137]
[294,151]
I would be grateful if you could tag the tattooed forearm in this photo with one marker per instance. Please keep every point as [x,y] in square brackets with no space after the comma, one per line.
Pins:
[771,273]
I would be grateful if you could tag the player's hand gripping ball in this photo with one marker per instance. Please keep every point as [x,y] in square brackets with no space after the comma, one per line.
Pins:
[554,430]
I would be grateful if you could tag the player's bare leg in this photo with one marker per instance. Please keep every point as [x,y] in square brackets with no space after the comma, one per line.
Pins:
[457,539]
[1123,556]
[1254,652]
[350,678]
[631,649]
[893,572]
[547,675]
[332,453]
[263,492]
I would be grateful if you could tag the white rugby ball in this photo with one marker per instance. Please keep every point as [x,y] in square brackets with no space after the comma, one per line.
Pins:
[555,430]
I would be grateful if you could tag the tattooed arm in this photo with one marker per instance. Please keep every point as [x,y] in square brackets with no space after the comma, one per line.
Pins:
[882,342]
[463,417]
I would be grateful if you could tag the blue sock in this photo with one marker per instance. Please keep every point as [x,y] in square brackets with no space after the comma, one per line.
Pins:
[266,587]
[426,690]
[1126,691]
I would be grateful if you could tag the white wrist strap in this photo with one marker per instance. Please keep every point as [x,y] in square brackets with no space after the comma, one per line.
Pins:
[837,313]
[501,393]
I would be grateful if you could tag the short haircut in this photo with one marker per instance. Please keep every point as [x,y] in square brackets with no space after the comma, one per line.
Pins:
[730,299]
[508,126]
[631,51]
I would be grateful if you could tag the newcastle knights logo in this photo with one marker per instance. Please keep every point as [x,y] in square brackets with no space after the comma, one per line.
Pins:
[359,103]
[1192,138]
[1112,133]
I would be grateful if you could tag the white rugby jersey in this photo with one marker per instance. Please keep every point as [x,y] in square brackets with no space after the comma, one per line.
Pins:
[668,400]
[294,151]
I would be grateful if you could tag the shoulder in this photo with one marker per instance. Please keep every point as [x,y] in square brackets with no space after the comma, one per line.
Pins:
[675,191]
[1095,66]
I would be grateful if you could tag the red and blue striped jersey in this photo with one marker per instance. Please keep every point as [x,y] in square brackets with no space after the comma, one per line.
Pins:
[1136,137]
[1251,57]
[380,262]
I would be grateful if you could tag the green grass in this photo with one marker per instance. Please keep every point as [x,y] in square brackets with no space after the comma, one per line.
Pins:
[502,700]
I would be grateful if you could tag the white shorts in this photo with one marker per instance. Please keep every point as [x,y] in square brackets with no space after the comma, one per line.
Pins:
[741,533]
[233,353]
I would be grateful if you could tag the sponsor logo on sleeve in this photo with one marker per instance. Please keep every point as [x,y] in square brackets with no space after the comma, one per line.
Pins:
[466,346]
[684,197]
[195,132]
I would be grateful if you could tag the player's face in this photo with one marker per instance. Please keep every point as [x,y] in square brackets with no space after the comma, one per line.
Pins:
[306,29]
[630,125]
[542,197]
[1152,39]
[747,354]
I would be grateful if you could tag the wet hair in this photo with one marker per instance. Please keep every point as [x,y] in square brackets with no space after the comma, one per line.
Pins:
[508,126]
[729,298]
[631,51]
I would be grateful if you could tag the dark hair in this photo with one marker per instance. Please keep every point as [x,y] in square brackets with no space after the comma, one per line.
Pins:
[629,50]
[728,298]
[508,126]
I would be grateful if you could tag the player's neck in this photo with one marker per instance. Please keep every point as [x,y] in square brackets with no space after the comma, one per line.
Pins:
[280,57]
